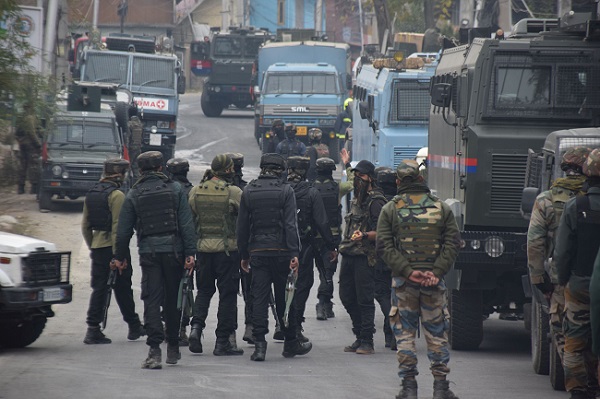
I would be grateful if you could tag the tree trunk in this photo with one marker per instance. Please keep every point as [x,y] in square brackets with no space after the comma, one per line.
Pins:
[428,13]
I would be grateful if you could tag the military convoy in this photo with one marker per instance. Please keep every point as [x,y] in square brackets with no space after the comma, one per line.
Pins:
[491,101]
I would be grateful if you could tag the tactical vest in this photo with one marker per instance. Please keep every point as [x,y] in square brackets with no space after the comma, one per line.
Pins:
[136,129]
[304,206]
[185,184]
[588,236]
[290,148]
[96,201]
[239,182]
[214,217]
[264,200]
[421,227]
[330,194]
[156,207]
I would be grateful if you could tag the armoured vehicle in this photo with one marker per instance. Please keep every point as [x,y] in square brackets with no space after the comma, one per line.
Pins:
[492,100]
[155,79]
[391,110]
[229,69]
[33,277]
[543,167]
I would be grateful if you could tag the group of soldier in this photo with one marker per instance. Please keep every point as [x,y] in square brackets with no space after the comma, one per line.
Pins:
[398,243]
[562,242]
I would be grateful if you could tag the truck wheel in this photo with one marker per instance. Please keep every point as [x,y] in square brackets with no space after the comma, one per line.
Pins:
[527,316]
[122,115]
[21,334]
[466,319]
[210,109]
[45,200]
[540,347]
[557,373]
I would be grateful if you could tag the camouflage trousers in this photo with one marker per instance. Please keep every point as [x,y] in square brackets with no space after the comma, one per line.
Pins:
[29,165]
[578,360]
[411,302]
[557,309]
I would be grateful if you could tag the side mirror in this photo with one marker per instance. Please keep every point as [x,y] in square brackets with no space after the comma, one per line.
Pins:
[363,108]
[441,95]
[528,200]
[181,84]
[348,82]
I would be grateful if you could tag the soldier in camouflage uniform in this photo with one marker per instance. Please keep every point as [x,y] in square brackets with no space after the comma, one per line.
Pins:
[417,237]
[577,242]
[30,147]
[134,140]
[543,224]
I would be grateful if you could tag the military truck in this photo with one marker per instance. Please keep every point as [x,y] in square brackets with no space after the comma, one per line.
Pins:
[391,109]
[33,277]
[543,168]
[492,100]
[229,68]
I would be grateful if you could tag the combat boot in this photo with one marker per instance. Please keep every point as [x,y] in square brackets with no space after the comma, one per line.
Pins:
[365,348]
[321,315]
[224,348]
[260,351]
[135,331]
[329,310]
[173,354]
[441,390]
[278,335]
[301,336]
[248,334]
[353,346]
[195,339]
[183,338]
[21,189]
[408,390]
[295,347]
[154,359]
[95,336]
[581,395]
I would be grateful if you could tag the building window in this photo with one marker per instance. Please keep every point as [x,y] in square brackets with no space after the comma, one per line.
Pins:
[280,12]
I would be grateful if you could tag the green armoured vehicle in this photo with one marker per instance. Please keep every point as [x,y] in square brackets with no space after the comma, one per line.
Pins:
[492,100]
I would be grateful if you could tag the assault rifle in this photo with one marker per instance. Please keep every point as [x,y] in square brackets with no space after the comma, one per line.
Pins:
[312,242]
[112,280]
[185,297]
[290,289]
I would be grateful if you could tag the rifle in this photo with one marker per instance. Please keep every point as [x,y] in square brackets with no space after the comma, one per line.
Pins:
[185,297]
[318,257]
[290,288]
[112,279]
[272,306]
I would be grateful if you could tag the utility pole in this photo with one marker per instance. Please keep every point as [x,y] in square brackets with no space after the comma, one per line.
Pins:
[362,22]
[95,17]
[319,17]
[224,15]
[49,37]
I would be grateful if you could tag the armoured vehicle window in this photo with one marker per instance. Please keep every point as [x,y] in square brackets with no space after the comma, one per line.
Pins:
[227,47]
[522,87]
[152,72]
[410,101]
[89,136]
[102,67]
[251,47]
[307,83]
[571,85]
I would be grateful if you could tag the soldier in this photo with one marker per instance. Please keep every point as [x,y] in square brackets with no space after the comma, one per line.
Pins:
[215,205]
[291,145]
[545,216]
[268,241]
[134,139]
[238,164]
[418,238]
[162,248]
[315,151]
[344,120]
[101,210]
[276,136]
[312,218]
[357,284]
[30,147]
[577,242]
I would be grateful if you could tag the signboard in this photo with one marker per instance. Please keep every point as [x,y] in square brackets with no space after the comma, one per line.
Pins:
[29,25]
[151,103]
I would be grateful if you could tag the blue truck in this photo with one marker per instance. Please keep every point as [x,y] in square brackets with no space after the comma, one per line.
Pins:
[391,110]
[304,83]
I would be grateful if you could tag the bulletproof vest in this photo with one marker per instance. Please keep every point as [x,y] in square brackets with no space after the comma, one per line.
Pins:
[156,207]
[560,196]
[304,206]
[421,226]
[96,200]
[290,148]
[264,199]
[239,182]
[135,126]
[330,193]
[588,236]
[214,218]
[185,184]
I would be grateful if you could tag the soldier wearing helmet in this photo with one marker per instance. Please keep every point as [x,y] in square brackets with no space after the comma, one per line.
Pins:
[158,209]
[577,242]
[238,163]
[272,138]
[267,229]
[101,210]
[178,168]
[418,238]
[315,150]
[291,146]
[541,236]
[344,120]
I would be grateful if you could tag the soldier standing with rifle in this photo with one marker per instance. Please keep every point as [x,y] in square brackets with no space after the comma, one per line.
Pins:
[101,210]
[158,209]
[311,219]
[30,146]
[215,204]
[268,241]
[134,139]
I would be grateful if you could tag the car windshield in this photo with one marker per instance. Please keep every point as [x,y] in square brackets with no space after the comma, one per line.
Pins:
[301,83]
[84,136]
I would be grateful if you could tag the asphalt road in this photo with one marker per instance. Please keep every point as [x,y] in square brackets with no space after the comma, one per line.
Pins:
[59,365]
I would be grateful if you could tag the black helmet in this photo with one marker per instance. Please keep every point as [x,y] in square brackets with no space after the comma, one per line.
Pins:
[237,158]
[115,166]
[297,162]
[325,165]
[385,176]
[315,134]
[149,160]
[277,122]
[178,166]
[290,130]
[272,161]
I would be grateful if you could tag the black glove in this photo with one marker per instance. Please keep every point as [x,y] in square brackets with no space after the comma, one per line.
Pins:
[546,287]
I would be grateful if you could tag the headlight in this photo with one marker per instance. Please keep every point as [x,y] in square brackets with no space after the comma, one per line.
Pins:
[267,136]
[153,129]
[494,246]
[56,170]
[217,89]
[162,124]
[65,175]
[475,244]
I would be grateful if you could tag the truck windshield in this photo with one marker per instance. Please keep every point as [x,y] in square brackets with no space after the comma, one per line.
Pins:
[410,101]
[153,72]
[301,83]
[97,137]
[105,67]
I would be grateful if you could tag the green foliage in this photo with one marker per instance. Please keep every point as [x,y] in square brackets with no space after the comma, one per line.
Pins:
[409,15]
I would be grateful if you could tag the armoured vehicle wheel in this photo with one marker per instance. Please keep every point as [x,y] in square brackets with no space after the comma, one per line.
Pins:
[527,316]
[540,347]
[122,115]
[210,109]
[466,319]
[45,200]
[557,373]
[16,334]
